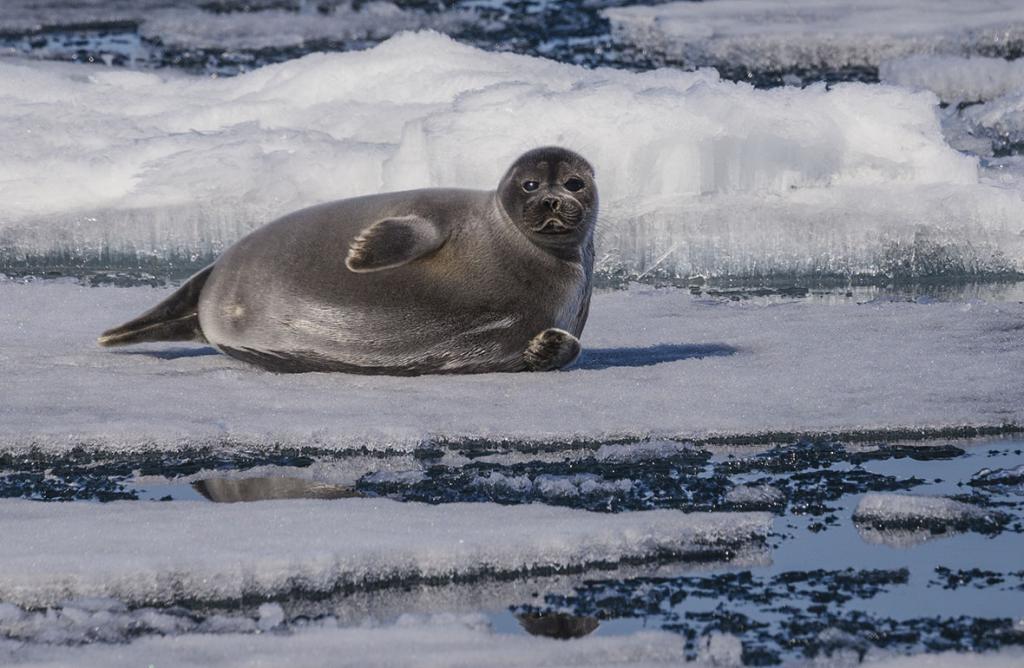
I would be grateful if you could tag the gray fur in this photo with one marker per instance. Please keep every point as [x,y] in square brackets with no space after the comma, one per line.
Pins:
[422,281]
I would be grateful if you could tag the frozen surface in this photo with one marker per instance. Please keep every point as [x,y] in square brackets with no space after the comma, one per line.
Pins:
[697,175]
[270,24]
[656,363]
[955,78]
[440,640]
[164,553]
[777,34]
[907,510]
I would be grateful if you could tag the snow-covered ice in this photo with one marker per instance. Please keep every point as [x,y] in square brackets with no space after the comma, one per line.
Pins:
[657,363]
[166,553]
[779,34]
[436,641]
[908,511]
[955,78]
[191,24]
[697,175]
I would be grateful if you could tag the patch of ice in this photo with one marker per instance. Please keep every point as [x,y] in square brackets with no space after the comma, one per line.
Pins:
[697,175]
[555,486]
[754,495]
[781,34]
[794,367]
[955,78]
[620,453]
[907,511]
[158,553]
[191,24]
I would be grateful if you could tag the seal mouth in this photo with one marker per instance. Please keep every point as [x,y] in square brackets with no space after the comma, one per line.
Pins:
[553,226]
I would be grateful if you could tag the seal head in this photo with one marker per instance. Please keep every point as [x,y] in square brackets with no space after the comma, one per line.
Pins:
[550,195]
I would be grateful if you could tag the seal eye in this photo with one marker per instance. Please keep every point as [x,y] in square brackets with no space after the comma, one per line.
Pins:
[574,184]
[530,186]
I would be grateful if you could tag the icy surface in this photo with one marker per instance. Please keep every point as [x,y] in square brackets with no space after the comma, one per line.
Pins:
[163,553]
[697,175]
[435,641]
[902,509]
[777,34]
[656,363]
[954,78]
[189,23]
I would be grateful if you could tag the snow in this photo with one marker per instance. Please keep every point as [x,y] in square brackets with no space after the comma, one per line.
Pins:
[151,553]
[903,510]
[657,363]
[778,34]
[955,78]
[434,641]
[188,24]
[697,176]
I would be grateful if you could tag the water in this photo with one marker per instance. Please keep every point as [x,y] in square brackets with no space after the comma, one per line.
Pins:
[823,585]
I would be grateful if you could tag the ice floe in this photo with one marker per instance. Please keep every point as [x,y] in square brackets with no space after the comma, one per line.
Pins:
[780,34]
[911,518]
[164,553]
[955,78]
[697,175]
[657,363]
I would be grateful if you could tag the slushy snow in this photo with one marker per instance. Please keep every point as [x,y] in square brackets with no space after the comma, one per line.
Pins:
[656,363]
[781,34]
[697,175]
[149,553]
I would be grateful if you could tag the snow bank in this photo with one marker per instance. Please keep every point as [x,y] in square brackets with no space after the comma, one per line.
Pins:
[955,78]
[780,34]
[432,642]
[162,553]
[656,363]
[697,176]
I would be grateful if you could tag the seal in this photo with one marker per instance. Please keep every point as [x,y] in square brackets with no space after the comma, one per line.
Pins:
[404,283]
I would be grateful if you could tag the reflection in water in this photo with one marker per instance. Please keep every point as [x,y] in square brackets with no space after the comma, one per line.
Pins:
[898,537]
[557,625]
[233,490]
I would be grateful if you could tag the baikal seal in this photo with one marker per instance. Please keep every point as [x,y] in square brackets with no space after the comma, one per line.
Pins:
[424,281]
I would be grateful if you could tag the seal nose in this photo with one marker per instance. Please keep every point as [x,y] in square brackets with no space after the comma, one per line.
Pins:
[551,203]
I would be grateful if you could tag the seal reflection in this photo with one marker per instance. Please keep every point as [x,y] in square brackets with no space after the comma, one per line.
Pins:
[235,490]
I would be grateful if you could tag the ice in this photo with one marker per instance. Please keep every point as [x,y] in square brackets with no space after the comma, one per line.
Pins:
[935,513]
[955,78]
[697,176]
[554,486]
[755,496]
[264,25]
[781,34]
[695,368]
[150,553]
[435,641]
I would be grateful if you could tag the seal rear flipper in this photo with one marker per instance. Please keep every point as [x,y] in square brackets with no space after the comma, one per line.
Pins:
[392,242]
[174,319]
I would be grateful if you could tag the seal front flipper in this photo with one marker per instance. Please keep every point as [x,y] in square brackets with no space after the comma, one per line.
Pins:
[392,242]
[174,319]
[551,349]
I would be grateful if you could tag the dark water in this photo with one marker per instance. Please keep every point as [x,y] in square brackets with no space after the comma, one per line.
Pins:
[824,584]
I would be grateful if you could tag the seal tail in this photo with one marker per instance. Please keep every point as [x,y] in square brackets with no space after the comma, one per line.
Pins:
[174,319]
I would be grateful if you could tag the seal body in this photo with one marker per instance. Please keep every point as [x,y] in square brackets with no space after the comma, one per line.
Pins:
[422,281]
